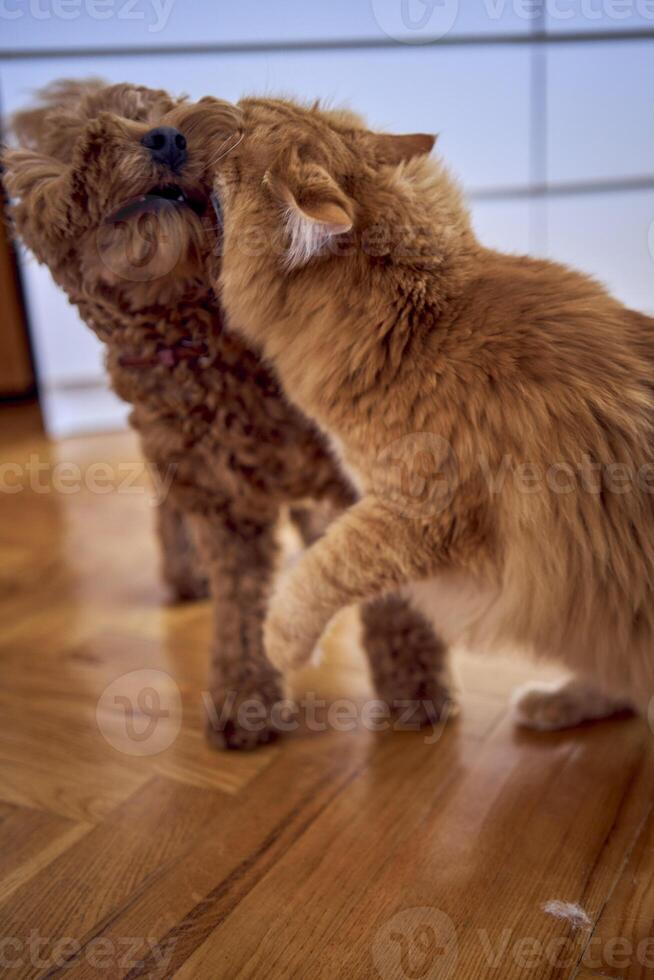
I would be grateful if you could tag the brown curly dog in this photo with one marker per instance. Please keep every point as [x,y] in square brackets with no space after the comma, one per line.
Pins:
[111,189]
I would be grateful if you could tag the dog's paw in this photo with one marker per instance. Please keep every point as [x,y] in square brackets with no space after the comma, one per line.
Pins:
[551,707]
[243,723]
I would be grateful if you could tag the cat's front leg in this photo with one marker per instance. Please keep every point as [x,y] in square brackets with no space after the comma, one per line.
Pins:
[367,552]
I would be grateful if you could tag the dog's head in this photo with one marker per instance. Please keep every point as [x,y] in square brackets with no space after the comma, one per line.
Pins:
[111,186]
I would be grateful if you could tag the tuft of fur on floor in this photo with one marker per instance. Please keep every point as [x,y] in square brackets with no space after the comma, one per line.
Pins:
[568,911]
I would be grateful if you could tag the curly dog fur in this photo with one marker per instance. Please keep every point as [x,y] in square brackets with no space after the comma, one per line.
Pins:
[207,410]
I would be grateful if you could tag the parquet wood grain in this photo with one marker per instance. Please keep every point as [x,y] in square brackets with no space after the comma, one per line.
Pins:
[329,855]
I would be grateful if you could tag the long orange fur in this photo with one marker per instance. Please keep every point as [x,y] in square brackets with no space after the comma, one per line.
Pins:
[495,411]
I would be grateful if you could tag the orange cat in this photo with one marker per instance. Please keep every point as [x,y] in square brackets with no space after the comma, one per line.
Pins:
[496,412]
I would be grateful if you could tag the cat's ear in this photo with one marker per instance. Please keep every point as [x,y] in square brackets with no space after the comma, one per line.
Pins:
[313,208]
[393,149]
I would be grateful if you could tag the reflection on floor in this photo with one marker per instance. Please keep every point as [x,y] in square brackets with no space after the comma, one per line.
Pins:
[332,854]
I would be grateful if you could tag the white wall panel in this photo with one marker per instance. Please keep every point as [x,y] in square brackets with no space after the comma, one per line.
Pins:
[598,15]
[612,237]
[600,110]
[505,225]
[66,351]
[68,24]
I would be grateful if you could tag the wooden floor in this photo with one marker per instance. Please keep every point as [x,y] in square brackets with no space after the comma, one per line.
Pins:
[331,855]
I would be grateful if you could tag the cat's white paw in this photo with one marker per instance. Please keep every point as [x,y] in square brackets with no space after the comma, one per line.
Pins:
[551,707]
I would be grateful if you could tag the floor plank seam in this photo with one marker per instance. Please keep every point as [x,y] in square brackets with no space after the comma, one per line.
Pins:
[186,925]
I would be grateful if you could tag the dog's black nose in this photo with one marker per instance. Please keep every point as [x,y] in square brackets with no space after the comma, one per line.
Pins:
[166,146]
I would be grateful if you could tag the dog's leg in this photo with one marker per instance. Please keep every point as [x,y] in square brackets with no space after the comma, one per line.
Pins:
[369,551]
[549,707]
[408,662]
[182,568]
[243,685]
